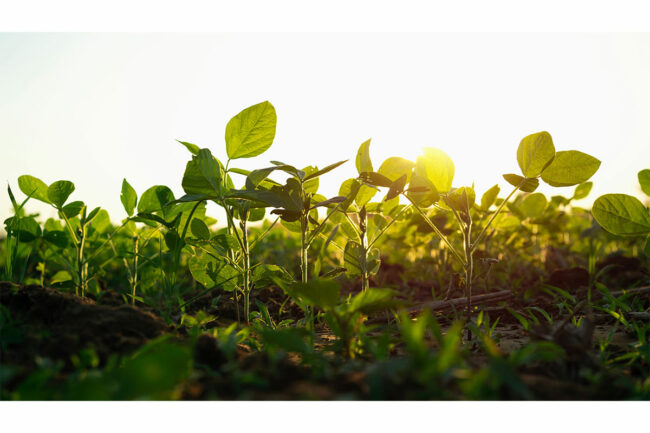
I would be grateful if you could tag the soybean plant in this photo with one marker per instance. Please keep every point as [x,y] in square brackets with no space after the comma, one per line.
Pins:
[430,184]
[77,220]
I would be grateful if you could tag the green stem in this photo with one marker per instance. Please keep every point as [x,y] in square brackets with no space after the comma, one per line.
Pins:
[392,221]
[435,229]
[494,215]
[247,266]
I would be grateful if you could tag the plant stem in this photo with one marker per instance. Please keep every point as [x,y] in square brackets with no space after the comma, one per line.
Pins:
[247,270]
[435,229]
[494,215]
[134,282]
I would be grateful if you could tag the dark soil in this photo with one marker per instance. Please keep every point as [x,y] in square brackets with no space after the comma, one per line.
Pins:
[58,325]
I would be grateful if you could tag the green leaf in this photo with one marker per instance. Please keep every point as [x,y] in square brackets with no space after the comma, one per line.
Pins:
[61,277]
[462,198]
[644,181]
[375,179]
[33,186]
[526,185]
[489,197]
[251,132]
[193,148]
[395,167]
[436,166]
[59,192]
[570,167]
[25,228]
[582,190]
[535,153]
[363,162]
[621,214]
[422,198]
[533,205]
[194,182]
[396,188]
[210,168]
[155,199]
[199,229]
[128,197]
[72,209]
[324,170]
[353,259]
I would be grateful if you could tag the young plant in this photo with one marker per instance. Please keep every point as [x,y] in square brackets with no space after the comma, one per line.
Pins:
[430,183]
[248,134]
[77,220]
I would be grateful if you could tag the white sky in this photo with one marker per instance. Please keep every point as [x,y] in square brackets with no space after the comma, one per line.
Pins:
[95,108]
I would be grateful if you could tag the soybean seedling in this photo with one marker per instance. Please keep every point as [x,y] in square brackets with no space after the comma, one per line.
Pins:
[430,184]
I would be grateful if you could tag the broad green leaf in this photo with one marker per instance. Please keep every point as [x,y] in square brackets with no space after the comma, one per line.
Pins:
[72,209]
[353,259]
[422,198]
[128,197]
[24,228]
[644,181]
[436,166]
[582,190]
[395,167]
[33,186]
[199,229]
[526,185]
[209,168]
[311,185]
[193,148]
[59,192]
[61,277]
[251,132]
[363,162]
[194,183]
[154,199]
[462,198]
[621,214]
[277,198]
[570,167]
[396,188]
[535,153]
[102,222]
[533,205]
[489,197]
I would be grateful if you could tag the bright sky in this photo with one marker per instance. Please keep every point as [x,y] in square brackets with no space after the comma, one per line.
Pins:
[95,108]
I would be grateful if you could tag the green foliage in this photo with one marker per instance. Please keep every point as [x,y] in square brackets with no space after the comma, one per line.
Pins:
[535,153]
[251,132]
[644,181]
[128,197]
[59,191]
[570,167]
[34,187]
[621,214]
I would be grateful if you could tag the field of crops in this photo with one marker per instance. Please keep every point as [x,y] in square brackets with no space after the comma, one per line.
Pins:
[404,286]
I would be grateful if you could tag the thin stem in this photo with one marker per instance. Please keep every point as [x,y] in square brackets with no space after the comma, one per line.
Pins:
[438,232]
[392,221]
[260,237]
[494,215]
[134,283]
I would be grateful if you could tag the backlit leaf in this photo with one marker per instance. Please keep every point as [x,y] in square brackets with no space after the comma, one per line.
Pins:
[533,205]
[59,192]
[621,214]
[395,167]
[644,181]
[436,166]
[526,185]
[128,197]
[489,197]
[251,132]
[33,186]
[363,162]
[570,167]
[535,153]
[582,190]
